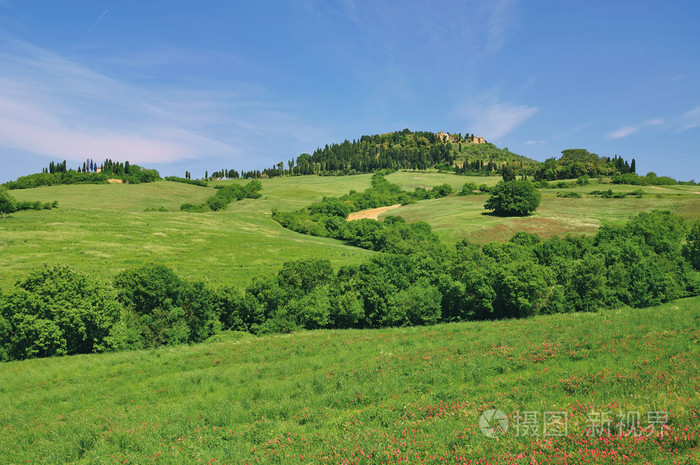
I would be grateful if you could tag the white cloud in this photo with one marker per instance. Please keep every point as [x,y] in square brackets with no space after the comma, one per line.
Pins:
[626,131]
[492,121]
[60,108]
[690,119]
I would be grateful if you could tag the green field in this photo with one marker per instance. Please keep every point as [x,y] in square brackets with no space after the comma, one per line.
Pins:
[454,218]
[409,395]
[103,229]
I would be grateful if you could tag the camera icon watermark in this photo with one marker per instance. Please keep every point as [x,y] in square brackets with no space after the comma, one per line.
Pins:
[493,423]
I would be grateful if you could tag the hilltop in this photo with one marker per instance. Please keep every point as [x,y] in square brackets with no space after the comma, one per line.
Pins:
[405,149]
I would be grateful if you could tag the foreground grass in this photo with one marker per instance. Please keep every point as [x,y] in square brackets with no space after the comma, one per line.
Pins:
[410,395]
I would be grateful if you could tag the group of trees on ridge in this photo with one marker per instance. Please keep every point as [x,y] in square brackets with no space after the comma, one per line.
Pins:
[464,155]
[87,173]
[395,150]
[450,153]
[652,259]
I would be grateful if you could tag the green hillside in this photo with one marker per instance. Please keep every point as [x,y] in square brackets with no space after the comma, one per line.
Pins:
[410,395]
[455,218]
[103,229]
[405,149]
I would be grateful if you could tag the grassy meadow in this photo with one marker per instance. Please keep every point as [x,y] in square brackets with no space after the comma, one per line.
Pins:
[455,217]
[103,229]
[406,395]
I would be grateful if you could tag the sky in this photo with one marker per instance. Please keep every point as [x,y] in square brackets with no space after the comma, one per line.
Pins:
[190,85]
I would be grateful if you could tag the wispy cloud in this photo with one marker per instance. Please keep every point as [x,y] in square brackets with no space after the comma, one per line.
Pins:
[626,131]
[500,23]
[53,106]
[495,120]
[689,120]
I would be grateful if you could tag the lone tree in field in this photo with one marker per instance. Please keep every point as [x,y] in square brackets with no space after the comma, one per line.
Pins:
[8,204]
[513,198]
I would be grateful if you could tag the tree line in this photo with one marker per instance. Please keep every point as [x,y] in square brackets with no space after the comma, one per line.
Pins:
[225,195]
[653,258]
[87,173]
[575,163]
[8,204]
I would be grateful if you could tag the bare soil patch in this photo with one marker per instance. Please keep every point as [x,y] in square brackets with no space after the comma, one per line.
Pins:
[115,181]
[372,213]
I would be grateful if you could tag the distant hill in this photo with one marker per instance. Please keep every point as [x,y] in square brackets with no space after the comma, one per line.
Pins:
[402,150]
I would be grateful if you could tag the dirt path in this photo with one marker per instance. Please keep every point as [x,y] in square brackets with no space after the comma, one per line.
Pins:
[672,190]
[372,213]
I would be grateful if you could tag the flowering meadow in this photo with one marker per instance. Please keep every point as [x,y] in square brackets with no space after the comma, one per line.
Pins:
[623,386]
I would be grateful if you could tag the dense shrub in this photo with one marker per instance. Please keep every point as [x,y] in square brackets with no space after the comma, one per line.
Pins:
[691,250]
[161,309]
[8,204]
[468,188]
[569,195]
[58,311]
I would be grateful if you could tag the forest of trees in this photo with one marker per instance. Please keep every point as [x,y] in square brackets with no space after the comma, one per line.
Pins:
[575,163]
[395,150]
[450,153]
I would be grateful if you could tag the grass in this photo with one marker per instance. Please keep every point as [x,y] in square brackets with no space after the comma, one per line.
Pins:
[410,395]
[103,229]
[455,217]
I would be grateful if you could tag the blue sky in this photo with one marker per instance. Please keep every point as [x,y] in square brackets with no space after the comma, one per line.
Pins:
[200,86]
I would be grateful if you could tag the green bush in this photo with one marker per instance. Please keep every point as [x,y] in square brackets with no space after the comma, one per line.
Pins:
[58,311]
[162,309]
[468,188]
[513,198]
[8,204]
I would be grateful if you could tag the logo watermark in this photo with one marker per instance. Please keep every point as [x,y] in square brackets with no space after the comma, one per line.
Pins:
[495,423]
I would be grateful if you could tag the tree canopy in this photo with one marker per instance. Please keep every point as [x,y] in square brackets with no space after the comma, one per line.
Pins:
[513,198]
[8,204]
